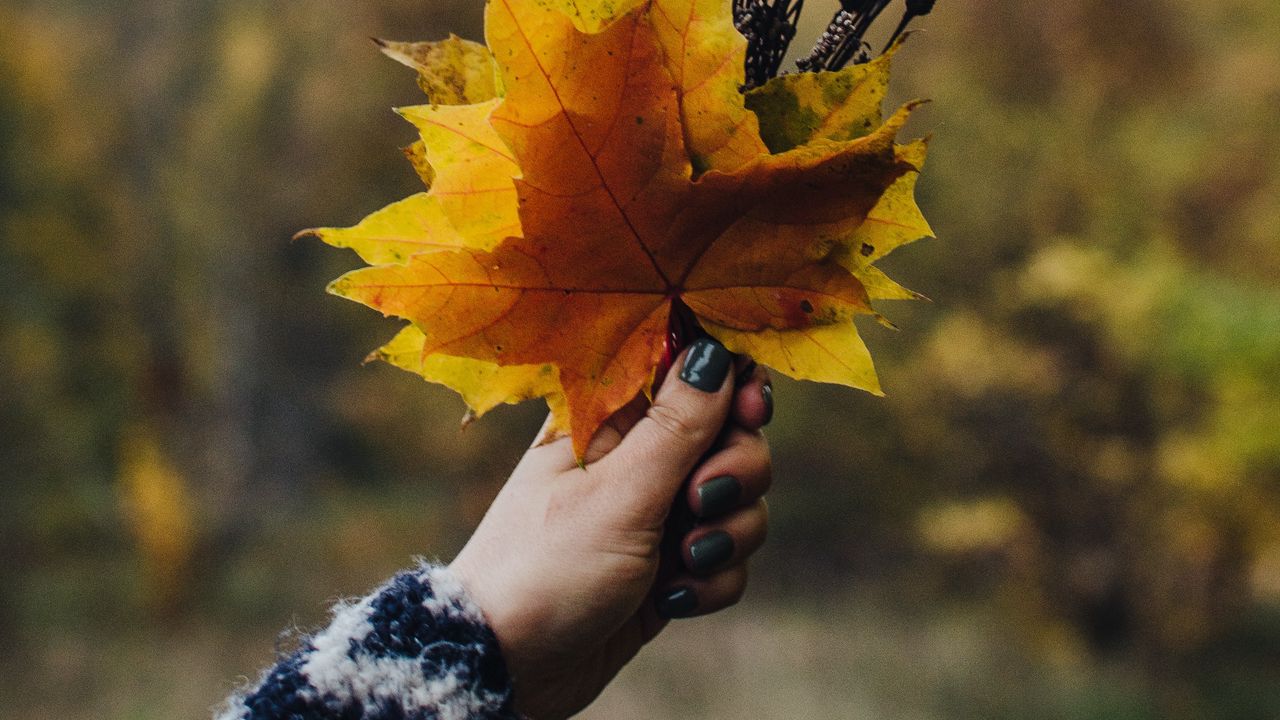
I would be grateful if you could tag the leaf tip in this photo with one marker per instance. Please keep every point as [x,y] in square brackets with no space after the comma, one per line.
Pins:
[395,51]
[337,287]
[548,435]
[309,232]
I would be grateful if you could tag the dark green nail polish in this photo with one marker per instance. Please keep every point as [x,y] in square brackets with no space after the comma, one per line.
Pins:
[710,551]
[718,495]
[766,392]
[677,603]
[706,365]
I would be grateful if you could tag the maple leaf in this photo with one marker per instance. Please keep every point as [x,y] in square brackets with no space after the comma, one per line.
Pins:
[616,176]
[452,73]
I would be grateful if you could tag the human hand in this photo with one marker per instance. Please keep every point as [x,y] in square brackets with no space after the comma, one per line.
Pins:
[566,565]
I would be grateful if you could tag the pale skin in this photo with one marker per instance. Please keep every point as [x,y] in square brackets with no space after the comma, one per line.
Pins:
[567,564]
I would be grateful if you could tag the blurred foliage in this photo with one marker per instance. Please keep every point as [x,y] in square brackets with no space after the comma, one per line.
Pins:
[1067,507]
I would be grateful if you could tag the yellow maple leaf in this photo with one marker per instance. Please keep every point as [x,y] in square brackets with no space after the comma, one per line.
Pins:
[457,146]
[621,177]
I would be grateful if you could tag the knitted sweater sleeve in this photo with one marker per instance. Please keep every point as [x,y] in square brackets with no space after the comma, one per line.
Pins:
[417,647]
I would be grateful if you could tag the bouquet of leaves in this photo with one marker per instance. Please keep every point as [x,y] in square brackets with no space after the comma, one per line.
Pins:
[609,178]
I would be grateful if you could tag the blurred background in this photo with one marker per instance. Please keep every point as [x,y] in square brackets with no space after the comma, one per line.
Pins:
[1068,506]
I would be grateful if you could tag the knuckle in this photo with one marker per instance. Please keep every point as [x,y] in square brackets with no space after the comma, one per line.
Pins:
[762,460]
[679,422]
[754,528]
[737,590]
[754,447]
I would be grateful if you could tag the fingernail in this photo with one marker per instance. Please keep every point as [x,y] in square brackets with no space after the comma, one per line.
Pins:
[766,393]
[718,495]
[706,365]
[710,551]
[745,373]
[677,603]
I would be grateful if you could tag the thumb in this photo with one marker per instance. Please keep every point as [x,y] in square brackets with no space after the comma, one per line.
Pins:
[685,418]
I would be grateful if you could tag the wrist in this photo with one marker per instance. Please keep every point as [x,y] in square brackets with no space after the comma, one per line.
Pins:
[509,616]
[500,607]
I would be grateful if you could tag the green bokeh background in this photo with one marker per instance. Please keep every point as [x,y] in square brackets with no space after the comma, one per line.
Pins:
[1068,506]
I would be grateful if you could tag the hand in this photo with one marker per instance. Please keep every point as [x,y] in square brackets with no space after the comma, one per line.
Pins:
[566,565]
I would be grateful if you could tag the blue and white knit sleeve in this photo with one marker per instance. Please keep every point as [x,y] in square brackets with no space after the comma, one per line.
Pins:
[418,647]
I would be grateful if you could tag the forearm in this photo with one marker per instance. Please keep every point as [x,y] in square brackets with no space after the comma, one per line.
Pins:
[416,647]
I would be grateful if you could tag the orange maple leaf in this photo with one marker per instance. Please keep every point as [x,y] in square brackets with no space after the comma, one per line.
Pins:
[622,178]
